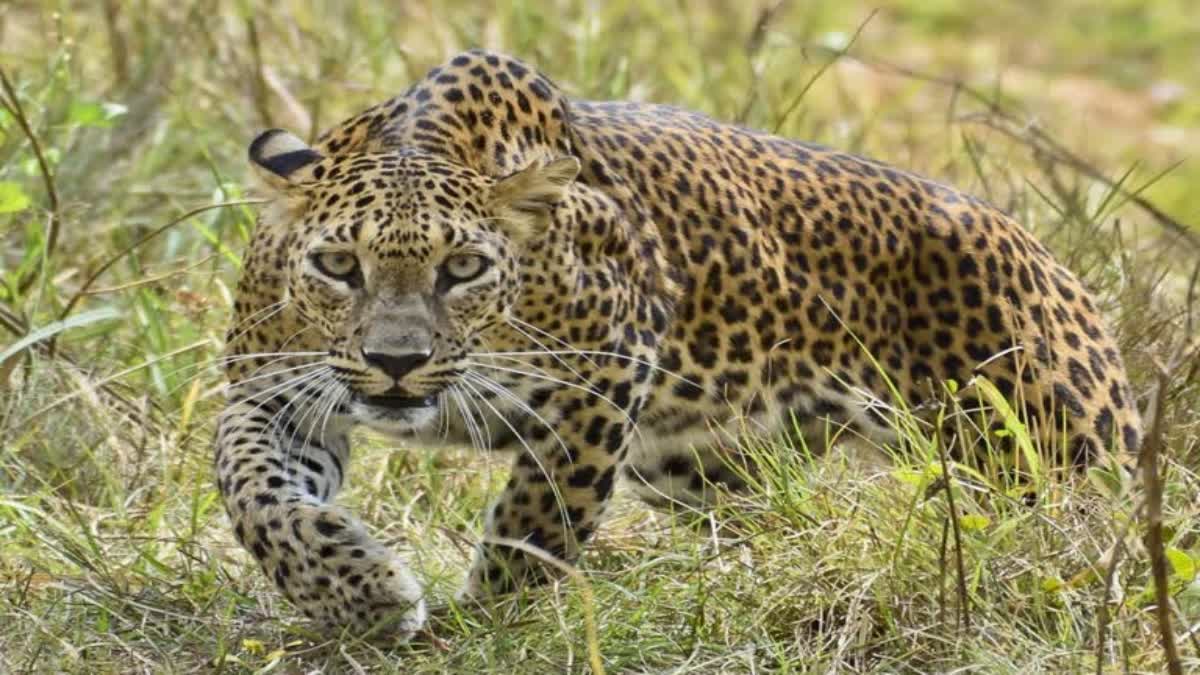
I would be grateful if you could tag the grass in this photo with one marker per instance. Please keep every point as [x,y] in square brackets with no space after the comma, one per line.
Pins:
[115,555]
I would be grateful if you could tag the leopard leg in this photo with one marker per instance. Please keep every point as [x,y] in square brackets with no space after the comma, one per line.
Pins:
[668,476]
[278,483]
[560,484]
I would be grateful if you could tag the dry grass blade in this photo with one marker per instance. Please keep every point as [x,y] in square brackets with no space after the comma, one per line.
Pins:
[113,378]
[1154,526]
[964,598]
[87,284]
[49,331]
[12,322]
[1151,452]
[791,107]
[1103,617]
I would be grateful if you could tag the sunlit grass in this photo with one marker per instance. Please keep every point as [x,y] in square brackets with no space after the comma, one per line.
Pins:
[116,556]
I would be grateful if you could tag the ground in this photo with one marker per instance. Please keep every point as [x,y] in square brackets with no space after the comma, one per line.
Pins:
[118,558]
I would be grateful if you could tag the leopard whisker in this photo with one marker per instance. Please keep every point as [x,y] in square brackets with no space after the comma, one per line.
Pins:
[480,421]
[564,383]
[260,355]
[503,391]
[336,405]
[274,373]
[295,403]
[297,417]
[270,311]
[443,421]
[311,406]
[279,386]
[269,393]
[468,421]
[331,393]
[223,361]
[540,345]
[557,340]
[594,352]
[525,444]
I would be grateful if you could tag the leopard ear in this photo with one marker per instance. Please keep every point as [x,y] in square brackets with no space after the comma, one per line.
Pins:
[526,197]
[277,157]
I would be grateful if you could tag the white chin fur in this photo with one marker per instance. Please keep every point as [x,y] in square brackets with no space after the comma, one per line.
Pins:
[394,422]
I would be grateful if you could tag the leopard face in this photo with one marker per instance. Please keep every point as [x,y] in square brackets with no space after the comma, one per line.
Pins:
[401,262]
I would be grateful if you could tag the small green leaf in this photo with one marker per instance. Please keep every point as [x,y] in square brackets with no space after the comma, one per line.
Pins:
[86,114]
[1182,564]
[94,114]
[974,522]
[12,197]
[254,646]
[1013,426]
[1052,584]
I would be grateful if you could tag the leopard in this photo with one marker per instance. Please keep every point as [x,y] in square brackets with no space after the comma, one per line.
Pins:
[611,292]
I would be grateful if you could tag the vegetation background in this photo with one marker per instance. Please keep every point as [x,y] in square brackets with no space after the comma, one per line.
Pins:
[122,124]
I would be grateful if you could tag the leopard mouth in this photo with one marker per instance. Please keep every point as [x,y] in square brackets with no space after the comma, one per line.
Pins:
[395,413]
[397,402]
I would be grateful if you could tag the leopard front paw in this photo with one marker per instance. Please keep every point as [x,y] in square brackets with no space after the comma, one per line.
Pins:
[371,592]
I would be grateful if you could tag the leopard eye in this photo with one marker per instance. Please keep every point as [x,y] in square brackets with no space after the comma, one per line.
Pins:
[339,265]
[464,267]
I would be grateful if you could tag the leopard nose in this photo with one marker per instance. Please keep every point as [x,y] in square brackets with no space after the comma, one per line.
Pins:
[396,365]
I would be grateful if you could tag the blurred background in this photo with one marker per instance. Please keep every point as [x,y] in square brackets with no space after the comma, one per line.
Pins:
[124,123]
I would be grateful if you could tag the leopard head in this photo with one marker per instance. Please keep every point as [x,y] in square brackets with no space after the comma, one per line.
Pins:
[402,261]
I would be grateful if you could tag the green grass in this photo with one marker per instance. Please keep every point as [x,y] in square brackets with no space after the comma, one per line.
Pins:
[115,554]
